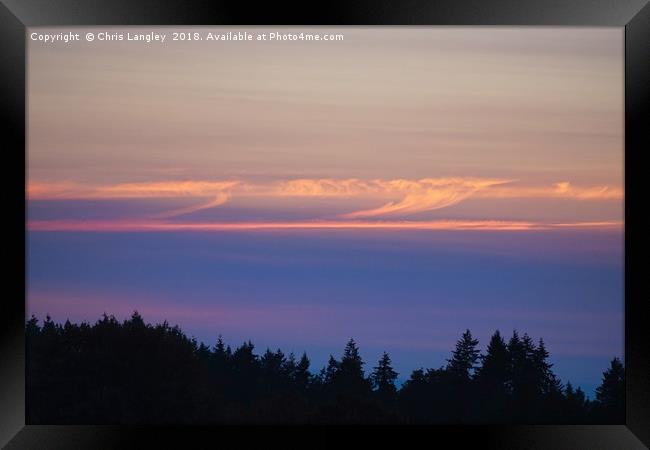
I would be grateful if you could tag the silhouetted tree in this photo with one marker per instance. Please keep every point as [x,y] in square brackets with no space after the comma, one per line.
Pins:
[132,372]
[463,361]
[458,379]
[521,382]
[347,391]
[575,405]
[329,372]
[549,388]
[492,379]
[383,379]
[610,395]
[425,397]
[493,373]
[273,364]
[412,401]
[548,382]
[31,328]
[351,365]
[301,375]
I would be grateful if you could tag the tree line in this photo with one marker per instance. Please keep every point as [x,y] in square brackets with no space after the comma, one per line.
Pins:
[129,372]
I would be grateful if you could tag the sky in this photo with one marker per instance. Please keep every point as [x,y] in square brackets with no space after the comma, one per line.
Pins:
[398,187]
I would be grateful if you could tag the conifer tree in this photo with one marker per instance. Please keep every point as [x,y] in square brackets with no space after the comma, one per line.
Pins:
[383,377]
[547,382]
[203,352]
[301,375]
[463,361]
[575,404]
[31,328]
[220,351]
[351,363]
[136,321]
[610,395]
[329,372]
[348,377]
[493,372]
[49,327]
[492,379]
[133,372]
[351,366]
[273,364]
[516,363]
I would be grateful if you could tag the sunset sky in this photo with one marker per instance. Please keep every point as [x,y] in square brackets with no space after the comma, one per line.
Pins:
[397,187]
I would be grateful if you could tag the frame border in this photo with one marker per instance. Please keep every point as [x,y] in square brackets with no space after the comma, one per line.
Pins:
[634,15]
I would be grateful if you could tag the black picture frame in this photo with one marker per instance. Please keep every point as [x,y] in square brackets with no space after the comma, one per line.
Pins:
[17,15]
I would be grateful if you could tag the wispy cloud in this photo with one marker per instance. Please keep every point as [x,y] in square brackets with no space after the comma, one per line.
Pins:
[560,190]
[67,190]
[396,197]
[326,187]
[426,195]
[151,225]
[170,189]
[219,191]
[219,200]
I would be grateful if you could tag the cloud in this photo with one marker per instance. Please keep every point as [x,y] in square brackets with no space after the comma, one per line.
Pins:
[39,190]
[169,189]
[220,191]
[426,195]
[220,199]
[164,189]
[458,225]
[325,187]
[565,189]
[396,197]
[561,190]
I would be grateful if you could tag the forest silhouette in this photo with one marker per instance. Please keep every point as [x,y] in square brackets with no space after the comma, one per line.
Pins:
[131,372]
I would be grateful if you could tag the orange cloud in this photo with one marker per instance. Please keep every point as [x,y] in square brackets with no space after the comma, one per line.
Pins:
[169,189]
[325,187]
[220,199]
[562,190]
[38,190]
[219,190]
[164,189]
[399,197]
[478,225]
[426,195]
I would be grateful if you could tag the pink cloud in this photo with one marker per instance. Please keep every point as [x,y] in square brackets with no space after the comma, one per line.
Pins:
[155,225]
